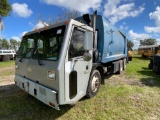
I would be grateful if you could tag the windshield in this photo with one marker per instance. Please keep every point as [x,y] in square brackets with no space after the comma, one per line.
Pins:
[45,45]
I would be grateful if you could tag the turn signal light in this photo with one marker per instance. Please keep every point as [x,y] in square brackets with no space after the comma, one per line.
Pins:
[52,104]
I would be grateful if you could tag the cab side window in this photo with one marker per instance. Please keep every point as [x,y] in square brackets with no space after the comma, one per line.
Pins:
[77,44]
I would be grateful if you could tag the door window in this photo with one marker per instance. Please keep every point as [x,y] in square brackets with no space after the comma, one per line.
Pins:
[77,44]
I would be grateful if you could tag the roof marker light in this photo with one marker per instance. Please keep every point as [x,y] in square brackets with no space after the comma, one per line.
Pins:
[65,22]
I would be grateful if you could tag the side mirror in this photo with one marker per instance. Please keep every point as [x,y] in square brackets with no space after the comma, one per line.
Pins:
[87,56]
[88,40]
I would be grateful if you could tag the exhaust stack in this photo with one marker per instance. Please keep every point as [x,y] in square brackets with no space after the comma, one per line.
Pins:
[95,50]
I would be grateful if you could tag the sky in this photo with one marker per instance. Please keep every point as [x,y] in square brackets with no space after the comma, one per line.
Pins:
[140,19]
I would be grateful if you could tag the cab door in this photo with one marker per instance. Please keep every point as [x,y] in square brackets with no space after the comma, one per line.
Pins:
[77,70]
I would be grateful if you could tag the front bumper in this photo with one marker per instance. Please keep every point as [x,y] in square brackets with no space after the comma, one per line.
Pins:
[40,92]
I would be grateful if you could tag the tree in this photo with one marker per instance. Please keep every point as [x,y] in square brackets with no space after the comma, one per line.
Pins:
[0,44]
[67,15]
[5,44]
[149,41]
[62,17]
[5,8]
[13,44]
[130,44]
[18,44]
[1,25]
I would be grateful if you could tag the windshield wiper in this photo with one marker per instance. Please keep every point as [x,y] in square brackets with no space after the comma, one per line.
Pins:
[36,51]
[39,62]
[20,60]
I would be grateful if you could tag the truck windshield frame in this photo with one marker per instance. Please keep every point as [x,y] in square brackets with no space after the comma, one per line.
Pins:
[44,45]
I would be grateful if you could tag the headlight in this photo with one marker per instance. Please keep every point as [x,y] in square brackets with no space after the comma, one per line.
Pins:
[51,75]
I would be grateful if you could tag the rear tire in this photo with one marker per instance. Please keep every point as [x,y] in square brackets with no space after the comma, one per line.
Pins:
[130,58]
[124,63]
[143,56]
[94,83]
[120,67]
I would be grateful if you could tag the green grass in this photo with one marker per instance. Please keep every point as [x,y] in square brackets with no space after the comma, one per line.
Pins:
[138,69]
[138,66]
[133,95]
[7,69]
[7,64]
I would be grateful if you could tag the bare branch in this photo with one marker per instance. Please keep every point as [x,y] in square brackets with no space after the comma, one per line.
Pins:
[60,18]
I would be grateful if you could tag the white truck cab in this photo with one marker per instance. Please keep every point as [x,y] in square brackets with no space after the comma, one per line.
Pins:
[10,53]
[54,64]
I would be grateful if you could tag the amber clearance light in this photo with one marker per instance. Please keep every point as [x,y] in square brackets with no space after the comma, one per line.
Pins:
[66,22]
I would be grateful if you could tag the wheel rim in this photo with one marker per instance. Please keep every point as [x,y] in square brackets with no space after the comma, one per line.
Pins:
[95,83]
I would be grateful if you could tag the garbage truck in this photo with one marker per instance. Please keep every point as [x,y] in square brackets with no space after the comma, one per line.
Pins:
[61,63]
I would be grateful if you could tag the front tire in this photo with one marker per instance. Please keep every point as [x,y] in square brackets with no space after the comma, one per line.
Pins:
[94,83]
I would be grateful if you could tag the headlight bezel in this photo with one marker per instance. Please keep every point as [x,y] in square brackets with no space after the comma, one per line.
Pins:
[51,75]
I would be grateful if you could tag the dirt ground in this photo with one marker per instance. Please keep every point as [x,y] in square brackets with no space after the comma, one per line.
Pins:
[116,79]
[7,79]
